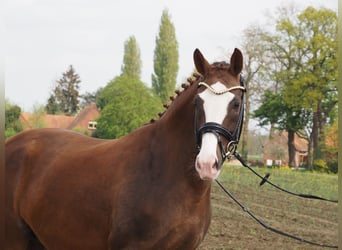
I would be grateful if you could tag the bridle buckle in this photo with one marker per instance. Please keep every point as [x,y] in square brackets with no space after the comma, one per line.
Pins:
[230,149]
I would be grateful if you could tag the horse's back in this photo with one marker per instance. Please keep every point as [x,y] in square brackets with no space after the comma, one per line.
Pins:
[49,171]
[32,153]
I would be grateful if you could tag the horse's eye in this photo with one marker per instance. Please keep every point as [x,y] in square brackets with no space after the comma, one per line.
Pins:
[236,104]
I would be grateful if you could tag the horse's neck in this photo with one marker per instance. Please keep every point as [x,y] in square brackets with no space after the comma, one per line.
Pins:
[178,123]
[177,134]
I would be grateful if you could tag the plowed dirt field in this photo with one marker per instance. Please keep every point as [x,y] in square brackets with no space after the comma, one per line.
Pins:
[232,228]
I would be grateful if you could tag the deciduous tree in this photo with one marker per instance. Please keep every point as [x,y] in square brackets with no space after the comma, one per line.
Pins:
[127,105]
[253,49]
[131,60]
[37,119]
[165,59]
[304,48]
[12,119]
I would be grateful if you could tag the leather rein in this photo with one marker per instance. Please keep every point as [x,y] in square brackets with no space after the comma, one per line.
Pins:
[231,150]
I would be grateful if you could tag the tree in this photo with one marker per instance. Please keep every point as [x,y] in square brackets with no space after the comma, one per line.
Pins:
[64,98]
[37,119]
[52,106]
[331,146]
[315,88]
[12,119]
[128,104]
[274,110]
[304,50]
[253,57]
[87,98]
[131,60]
[165,59]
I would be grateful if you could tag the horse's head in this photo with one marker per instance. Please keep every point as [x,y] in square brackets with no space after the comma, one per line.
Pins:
[218,112]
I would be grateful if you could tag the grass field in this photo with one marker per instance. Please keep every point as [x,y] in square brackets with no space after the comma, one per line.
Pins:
[231,228]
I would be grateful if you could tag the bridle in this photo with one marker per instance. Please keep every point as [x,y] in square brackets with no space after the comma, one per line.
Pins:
[231,150]
[217,129]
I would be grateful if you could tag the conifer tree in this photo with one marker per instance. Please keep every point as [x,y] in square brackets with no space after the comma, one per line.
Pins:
[51,106]
[165,59]
[64,98]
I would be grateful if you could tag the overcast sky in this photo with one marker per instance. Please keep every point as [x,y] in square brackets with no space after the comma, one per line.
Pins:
[44,37]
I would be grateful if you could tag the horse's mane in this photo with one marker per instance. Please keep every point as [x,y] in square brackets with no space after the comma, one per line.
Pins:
[195,79]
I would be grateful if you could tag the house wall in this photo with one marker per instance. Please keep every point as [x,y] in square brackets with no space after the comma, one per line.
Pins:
[276,149]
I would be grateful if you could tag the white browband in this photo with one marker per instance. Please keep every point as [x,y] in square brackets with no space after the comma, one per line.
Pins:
[222,91]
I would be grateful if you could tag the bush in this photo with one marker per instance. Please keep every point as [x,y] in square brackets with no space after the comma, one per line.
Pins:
[10,132]
[321,166]
[333,167]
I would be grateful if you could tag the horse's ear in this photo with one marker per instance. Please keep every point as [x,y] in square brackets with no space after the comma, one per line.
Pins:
[201,63]
[236,62]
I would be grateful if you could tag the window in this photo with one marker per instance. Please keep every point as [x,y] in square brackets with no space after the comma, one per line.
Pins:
[92,125]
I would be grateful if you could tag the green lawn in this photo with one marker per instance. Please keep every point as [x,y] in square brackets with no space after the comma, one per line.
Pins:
[325,185]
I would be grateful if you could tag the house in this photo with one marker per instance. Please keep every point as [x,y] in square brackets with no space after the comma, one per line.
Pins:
[275,150]
[84,122]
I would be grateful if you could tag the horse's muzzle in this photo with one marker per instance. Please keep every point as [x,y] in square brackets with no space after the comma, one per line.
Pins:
[208,169]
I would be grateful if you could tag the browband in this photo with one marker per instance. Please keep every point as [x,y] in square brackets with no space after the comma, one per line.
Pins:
[211,89]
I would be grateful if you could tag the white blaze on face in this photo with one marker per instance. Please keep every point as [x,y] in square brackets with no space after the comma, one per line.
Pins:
[215,109]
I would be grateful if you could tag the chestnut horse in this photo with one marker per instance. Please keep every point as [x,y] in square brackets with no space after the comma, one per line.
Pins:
[147,190]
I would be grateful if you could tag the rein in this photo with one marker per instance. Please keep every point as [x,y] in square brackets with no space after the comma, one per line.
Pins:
[265,225]
[265,180]
[261,222]
[233,139]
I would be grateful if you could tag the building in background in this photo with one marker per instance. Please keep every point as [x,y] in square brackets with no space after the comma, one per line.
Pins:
[84,122]
[276,150]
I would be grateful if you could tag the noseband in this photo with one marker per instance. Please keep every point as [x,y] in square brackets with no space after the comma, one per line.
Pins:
[217,129]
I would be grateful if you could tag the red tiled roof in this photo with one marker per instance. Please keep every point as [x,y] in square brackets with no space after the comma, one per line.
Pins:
[88,113]
[48,121]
